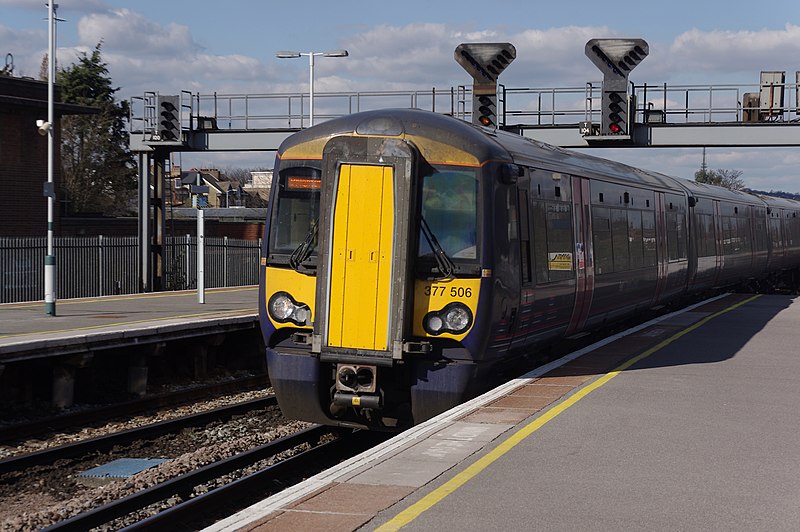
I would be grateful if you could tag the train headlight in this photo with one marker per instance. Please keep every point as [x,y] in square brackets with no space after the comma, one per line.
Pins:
[455,318]
[282,308]
[434,323]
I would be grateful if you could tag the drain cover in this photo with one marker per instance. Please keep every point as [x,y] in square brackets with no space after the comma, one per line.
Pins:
[122,468]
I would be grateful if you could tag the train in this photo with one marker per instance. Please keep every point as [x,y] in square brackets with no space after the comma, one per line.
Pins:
[407,255]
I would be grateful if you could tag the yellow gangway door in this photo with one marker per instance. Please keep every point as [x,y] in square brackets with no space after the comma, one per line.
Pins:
[361,258]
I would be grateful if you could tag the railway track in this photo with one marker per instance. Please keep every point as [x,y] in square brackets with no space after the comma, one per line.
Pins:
[17,431]
[102,443]
[194,512]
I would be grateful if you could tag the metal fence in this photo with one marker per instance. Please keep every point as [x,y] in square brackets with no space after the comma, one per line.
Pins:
[100,266]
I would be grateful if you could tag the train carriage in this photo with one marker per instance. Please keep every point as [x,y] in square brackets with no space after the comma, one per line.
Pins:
[783,227]
[407,255]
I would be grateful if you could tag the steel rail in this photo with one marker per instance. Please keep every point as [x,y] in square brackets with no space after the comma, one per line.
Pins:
[185,483]
[205,509]
[14,432]
[45,456]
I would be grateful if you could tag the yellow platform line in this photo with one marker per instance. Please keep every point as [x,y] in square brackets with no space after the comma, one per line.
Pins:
[217,313]
[427,502]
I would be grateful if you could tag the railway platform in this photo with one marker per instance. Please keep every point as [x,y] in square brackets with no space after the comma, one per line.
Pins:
[686,422]
[141,323]
[26,331]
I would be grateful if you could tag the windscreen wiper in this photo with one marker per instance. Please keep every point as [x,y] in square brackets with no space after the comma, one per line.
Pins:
[444,263]
[303,251]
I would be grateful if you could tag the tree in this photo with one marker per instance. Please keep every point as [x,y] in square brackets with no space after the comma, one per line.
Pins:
[730,179]
[98,169]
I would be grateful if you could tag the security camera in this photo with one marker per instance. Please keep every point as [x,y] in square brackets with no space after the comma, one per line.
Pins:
[44,127]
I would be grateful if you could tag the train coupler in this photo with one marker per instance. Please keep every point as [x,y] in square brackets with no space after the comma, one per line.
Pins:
[303,338]
[342,399]
[417,347]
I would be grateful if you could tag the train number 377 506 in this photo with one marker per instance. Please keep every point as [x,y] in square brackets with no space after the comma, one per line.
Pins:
[455,291]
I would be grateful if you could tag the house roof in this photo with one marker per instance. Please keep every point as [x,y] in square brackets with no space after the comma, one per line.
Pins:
[190,178]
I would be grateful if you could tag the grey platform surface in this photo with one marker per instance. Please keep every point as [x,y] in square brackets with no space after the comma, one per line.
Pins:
[121,320]
[702,434]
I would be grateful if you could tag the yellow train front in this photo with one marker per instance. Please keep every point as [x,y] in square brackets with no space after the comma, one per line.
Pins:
[377,286]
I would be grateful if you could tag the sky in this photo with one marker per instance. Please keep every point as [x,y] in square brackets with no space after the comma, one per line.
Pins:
[229,47]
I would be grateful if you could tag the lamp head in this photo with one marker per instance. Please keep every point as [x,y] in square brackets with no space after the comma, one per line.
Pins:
[44,127]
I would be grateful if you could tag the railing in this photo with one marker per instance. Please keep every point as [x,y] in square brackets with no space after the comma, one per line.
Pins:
[679,104]
[548,106]
[99,266]
[260,111]
[290,110]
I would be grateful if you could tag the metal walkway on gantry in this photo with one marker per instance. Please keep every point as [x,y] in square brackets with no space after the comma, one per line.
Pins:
[665,115]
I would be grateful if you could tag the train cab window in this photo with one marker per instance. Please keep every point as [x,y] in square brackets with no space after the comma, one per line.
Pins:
[449,209]
[295,215]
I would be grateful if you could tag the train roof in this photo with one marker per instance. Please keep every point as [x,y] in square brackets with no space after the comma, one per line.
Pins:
[704,189]
[782,203]
[435,135]
[525,149]
[604,168]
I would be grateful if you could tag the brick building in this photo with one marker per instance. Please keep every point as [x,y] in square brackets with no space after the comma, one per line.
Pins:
[23,155]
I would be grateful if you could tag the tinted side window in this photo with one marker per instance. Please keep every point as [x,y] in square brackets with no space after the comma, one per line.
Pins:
[601,229]
[552,241]
[635,239]
[619,238]
[649,238]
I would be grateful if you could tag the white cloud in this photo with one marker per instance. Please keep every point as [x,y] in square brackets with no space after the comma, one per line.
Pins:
[129,31]
[421,54]
[555,57]
[24,45]
[736,51]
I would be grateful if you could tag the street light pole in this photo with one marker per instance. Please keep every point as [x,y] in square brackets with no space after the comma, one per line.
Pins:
[311,55]
[310,89]
[50,259]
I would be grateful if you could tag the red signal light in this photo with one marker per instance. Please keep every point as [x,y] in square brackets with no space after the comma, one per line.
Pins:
[615,128]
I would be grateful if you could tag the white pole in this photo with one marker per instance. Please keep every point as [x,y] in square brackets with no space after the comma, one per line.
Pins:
[50,259]
[311,88]
[201,288]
